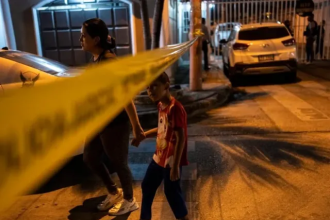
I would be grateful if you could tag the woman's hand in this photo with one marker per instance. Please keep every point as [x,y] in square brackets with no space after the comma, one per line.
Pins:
[139,136]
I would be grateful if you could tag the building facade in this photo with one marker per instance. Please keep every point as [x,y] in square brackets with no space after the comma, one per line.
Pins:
[51,28]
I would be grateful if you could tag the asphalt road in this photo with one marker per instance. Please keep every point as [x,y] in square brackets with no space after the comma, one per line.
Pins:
[263,156]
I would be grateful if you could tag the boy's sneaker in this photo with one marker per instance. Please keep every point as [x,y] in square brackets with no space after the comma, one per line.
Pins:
[110,201]
[123,207]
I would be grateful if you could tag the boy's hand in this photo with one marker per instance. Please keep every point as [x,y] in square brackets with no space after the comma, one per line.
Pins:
[135,142]
[175,174]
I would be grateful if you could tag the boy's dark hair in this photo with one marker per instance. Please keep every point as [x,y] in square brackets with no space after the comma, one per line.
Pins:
[163,78]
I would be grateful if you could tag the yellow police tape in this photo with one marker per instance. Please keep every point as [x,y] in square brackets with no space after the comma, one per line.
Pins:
[42,126]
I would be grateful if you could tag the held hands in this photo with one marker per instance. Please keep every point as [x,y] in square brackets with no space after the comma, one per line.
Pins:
[139,136]
[175,174]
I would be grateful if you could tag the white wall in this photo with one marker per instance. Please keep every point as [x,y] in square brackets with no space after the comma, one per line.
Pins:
[169,31]
[7,36]
[3,39]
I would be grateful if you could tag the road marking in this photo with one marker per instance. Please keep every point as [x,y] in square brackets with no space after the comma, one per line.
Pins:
[315,87]
[294,104]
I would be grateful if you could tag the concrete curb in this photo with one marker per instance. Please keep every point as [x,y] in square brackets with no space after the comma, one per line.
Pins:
[316,69]
[148,119]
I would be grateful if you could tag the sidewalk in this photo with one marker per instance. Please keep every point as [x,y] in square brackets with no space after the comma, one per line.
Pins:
[319,68]
[216,90]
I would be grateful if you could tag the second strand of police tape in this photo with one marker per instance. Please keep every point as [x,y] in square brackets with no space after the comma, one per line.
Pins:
[43,126]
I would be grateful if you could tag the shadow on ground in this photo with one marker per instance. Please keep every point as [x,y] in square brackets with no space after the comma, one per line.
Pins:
[255,158]
[221,125]
[72,173]
[88,211]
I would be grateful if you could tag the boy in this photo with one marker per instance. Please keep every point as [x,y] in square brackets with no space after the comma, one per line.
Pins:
[171,151]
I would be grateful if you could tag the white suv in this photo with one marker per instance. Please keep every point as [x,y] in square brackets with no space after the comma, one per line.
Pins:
[261,48]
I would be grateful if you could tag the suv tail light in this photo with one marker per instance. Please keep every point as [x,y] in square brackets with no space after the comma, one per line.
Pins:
[290,42]
[240,46]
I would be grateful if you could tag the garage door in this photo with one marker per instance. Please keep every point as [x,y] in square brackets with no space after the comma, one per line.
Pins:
[60,25]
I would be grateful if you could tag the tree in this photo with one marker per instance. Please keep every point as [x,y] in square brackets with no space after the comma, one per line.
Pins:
[146,24]
[157,23]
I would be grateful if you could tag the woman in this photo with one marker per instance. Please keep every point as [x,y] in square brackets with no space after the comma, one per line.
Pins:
[113,140]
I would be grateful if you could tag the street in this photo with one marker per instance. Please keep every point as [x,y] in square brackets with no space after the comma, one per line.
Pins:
[265,155]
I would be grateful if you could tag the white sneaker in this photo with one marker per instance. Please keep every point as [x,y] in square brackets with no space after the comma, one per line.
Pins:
[307,63]
[123,207]
[110,201]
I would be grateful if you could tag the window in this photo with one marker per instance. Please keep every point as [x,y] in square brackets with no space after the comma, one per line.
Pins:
[221,27]
[230,27]
[186,22]
[40,63]
[263,33]
[232,35]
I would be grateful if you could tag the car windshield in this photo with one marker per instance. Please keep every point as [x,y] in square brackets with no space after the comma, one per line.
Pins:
[34,61]
[226,27]
[263,33]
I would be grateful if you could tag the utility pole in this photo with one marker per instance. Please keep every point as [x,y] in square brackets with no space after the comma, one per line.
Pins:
[195,71]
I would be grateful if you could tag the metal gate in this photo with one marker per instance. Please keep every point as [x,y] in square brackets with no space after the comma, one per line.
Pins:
[60,23]
[223,14]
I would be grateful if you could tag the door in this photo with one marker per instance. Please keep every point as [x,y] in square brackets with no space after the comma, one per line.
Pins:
[228,46]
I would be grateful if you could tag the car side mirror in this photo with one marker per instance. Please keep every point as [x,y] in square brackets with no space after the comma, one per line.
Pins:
[223,41]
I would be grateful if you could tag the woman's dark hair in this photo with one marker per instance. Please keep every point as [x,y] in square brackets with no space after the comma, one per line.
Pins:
[95,27]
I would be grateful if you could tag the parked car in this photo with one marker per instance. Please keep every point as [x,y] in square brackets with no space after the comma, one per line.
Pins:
[20,69]
[223,31]
[260,48]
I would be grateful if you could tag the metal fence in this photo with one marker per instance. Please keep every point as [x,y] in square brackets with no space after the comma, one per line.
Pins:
[220,13]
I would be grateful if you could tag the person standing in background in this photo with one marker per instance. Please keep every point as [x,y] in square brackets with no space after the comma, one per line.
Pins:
[310,33]
[205,41]
[212,32]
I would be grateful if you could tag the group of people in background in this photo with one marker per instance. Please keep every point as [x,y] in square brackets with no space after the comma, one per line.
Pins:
[315,35]
[314,32]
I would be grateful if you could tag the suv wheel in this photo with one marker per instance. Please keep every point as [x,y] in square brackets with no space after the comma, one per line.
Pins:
[292,76]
